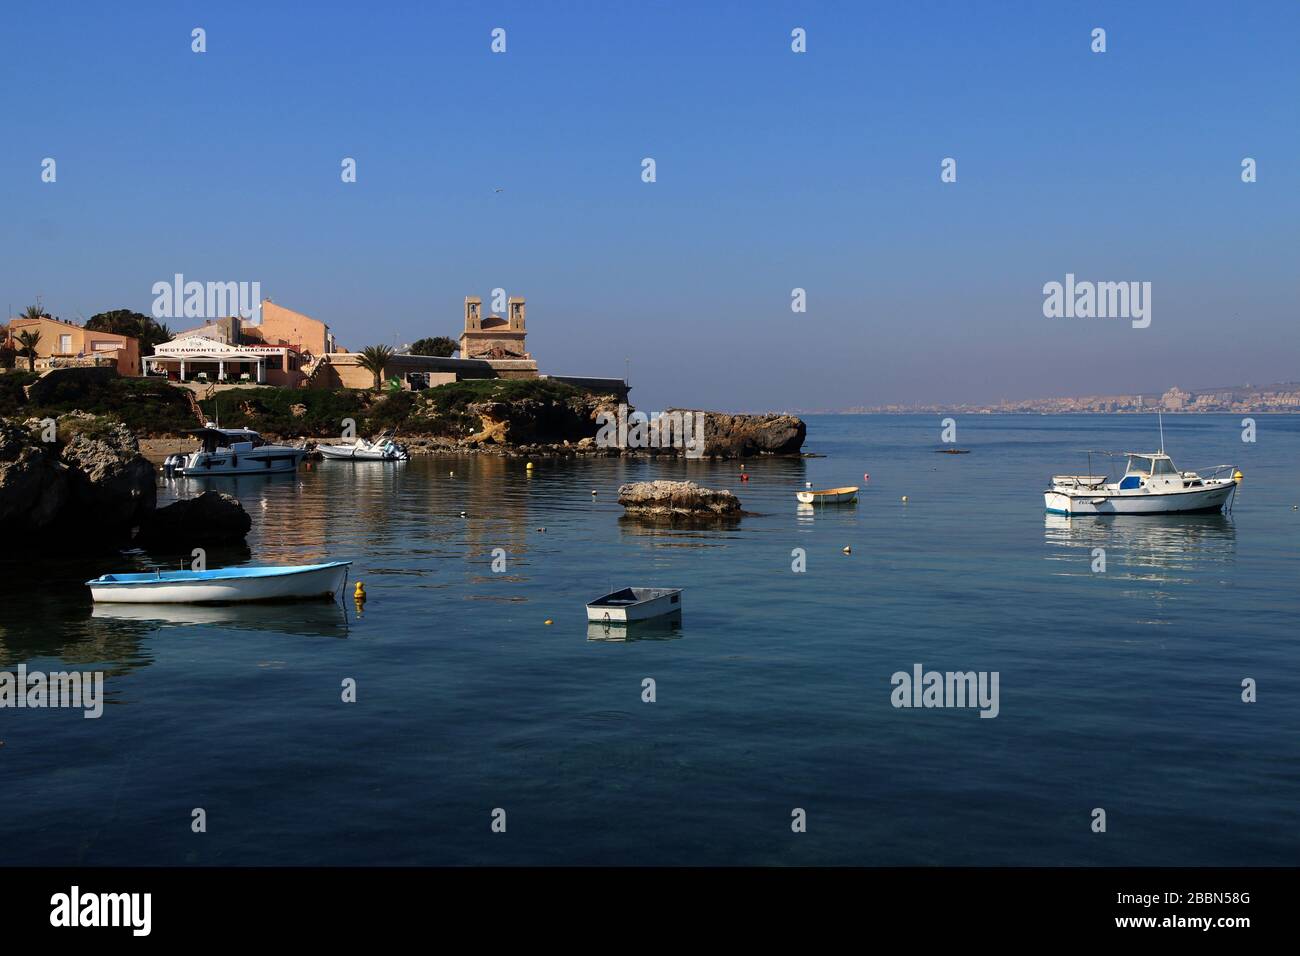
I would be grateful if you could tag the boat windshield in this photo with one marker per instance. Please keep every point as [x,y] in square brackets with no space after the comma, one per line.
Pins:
[1165,467]
[1138,465]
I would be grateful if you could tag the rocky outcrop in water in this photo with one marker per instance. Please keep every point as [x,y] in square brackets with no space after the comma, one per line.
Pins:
[213,518]
[88,488]
[743,436]
[671,499]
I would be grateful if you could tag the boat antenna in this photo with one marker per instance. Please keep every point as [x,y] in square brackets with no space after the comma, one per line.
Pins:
[1161,419]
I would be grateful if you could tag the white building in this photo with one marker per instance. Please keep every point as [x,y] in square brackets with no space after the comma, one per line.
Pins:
[193,357]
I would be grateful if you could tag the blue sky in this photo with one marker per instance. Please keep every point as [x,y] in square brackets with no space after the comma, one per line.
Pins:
[775,170]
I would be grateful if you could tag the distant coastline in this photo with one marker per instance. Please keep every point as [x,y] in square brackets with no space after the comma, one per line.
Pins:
[1283,397]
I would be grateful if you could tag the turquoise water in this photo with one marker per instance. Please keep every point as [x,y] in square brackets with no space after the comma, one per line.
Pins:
[1119,690]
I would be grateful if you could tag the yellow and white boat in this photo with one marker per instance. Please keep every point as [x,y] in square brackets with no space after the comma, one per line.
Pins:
[831,496]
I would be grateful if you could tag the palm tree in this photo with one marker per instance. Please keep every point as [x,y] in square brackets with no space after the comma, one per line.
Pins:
[374,359]
[34,312]
[27,340]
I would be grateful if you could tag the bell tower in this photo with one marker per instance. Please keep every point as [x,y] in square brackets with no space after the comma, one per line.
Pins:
[473,313]
[515,312]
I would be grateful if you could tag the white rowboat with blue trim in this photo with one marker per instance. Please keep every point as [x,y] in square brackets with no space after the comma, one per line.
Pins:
[222,585]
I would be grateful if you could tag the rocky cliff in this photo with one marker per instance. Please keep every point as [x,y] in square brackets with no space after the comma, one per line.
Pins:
[88,487]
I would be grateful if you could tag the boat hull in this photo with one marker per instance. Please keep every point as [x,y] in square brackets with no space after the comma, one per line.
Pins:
[1198,501]
[204,465]
[210,587]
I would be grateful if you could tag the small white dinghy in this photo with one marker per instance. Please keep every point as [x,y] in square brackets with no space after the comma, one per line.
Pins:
[634,604]
[831,496]
[384,449]
[222,585]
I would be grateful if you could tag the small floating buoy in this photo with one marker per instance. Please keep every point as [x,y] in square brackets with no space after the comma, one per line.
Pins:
[462,514]
[451,474]
[1237,476]
[744,477]
[529,466]
[865,476]
[549,621]
[360,592]
[593,493]
[541,529]
[904,498]
[846,549]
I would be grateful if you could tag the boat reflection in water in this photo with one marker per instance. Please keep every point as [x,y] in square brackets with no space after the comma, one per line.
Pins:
[1143,545]
[665,628]
[318,619]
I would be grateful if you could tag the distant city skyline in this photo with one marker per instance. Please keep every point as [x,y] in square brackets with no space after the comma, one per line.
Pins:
[776,171]
[1247,398]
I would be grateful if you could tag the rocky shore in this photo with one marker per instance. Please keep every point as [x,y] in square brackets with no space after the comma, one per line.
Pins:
[86,486]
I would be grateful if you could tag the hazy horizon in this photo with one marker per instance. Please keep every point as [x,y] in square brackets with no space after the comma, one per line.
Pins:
[775,171]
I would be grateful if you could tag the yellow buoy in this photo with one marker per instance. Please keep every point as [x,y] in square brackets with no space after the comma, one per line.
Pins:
[529,466]
[1237,475]
[549,621]
[360,592]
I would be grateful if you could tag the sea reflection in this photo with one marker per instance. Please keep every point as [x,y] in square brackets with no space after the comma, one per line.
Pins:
[666,628]
[1155,546]
[305,619]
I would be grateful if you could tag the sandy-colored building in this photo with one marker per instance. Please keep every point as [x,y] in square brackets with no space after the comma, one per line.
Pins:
[281,326]
[494,337]
[65,344]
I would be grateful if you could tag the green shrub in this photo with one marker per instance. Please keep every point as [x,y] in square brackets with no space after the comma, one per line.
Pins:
[272,410]
[146,406]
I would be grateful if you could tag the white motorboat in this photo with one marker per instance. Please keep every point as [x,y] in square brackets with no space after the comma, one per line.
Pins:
[383,449]
[1151,485]
[634,604]
[831,496]
[221,585]
[234,451]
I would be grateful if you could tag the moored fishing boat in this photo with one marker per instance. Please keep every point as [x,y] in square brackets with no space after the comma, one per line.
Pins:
[222,585]
[830,496]
[1151,485]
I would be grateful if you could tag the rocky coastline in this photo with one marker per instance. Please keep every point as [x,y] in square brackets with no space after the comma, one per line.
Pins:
[80,482]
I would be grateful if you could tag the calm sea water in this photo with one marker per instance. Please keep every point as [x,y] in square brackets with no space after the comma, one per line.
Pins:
[1119,690]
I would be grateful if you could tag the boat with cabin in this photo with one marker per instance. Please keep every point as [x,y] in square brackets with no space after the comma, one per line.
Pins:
[1151,485]
[234,451]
